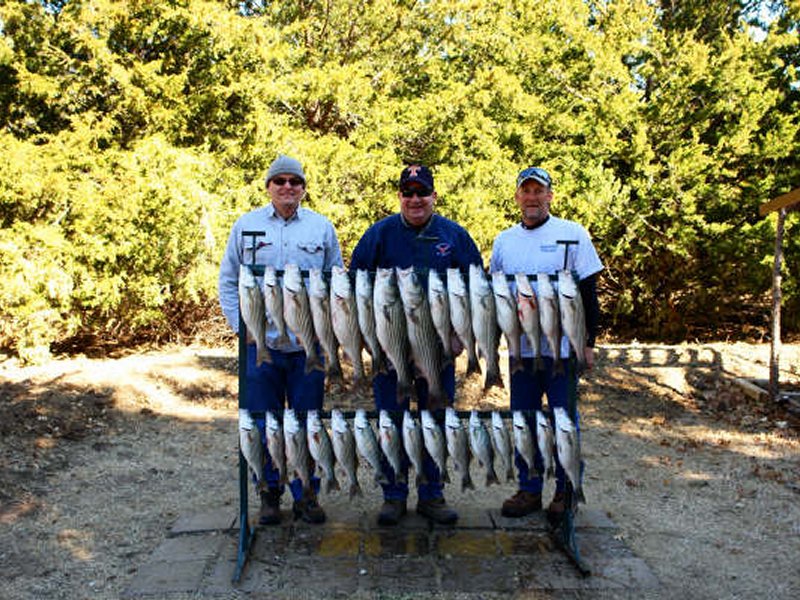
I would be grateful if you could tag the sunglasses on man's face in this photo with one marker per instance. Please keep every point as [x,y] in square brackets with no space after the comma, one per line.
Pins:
[293,181]
[420,193]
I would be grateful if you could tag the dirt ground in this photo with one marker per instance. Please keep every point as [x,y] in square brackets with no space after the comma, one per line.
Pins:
[100,456]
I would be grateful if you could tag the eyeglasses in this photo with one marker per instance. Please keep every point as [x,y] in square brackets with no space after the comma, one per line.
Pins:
[420,193]
[281,181]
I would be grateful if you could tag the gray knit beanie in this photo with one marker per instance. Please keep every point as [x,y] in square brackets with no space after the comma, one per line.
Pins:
[285,164]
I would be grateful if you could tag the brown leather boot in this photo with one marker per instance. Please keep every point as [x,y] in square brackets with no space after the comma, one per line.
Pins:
[270,513]
[309,509]
[521,504]
[555,511]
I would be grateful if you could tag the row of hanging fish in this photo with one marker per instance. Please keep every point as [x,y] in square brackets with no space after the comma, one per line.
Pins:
[299,449]
[399,322]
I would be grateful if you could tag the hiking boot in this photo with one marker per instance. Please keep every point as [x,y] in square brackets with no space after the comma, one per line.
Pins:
[391,512]
[437,510]
[309,510]
[521,504]
[270,513]
[555,511]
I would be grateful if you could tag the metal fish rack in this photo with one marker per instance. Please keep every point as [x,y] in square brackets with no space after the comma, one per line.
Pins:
[562,532]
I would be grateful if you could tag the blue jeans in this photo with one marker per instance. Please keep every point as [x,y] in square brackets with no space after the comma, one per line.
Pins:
[384,387]
[273,386]
[527,388]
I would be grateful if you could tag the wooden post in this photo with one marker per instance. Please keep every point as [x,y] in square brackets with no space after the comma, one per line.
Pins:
[775,346]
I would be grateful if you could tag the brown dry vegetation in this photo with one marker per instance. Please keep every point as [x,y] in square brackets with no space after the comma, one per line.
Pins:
[100,456]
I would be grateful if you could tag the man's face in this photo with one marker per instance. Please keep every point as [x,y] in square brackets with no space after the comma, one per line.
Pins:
[416,203]
[533,199]
[286,191]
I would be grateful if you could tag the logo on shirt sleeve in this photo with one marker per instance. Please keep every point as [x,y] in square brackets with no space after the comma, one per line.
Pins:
[443,249]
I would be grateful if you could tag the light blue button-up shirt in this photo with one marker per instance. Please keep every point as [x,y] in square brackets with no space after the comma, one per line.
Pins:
[307,239]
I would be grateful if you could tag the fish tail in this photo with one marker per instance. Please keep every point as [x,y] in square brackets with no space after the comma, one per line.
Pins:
[491,477]
[404,390]
[473,366]
[466,483]
[579,494]
[493,378]
[539,363]
[333,483]
[334,371]
[516,364]
[313,363]
[355,490]
[445,475]
[263,356]
[420,479]
[282,339]
[379,364]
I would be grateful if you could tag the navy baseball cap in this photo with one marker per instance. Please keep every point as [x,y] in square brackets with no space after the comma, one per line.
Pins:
[417,174]
[537,174]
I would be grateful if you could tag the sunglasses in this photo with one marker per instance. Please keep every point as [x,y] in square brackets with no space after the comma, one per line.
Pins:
[281,181]
[420,192]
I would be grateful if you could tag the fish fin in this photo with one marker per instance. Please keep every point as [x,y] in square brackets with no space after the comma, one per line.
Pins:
[493,378]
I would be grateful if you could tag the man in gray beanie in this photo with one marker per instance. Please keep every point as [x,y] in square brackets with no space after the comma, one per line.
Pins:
[287,234]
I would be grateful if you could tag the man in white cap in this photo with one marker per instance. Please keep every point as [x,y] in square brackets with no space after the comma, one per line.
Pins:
[543,243]
[292,234]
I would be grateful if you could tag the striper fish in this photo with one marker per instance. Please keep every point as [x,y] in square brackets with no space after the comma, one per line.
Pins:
[435,443]
[320,300]
[440,313]
[569,450]
[273,301]
[573,319]
[390,326]
[345,319]
[366,320]
[321,449]
[344,448]
[251,305]
[297,457]
[507,318]
[251,447]
[523,440]
[391,444]
[367,444]
[502,445]
[548,317]
[412,442]
[461,316]
[528,312]
[481,446]
[297,312]
[276,445]
[458,446]
[544,441]
[484,324]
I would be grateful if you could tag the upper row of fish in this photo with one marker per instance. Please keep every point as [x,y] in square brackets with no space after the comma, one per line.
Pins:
[401,321]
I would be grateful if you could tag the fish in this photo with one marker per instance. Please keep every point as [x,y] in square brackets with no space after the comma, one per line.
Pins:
[502,445]
[365,305]
[321,449]
[461,316]
[297,312]
[458,446]
[320,301]
[273,301]
[297,457]
[413,444]
[481,446]
[573,319]
[391,444]
[523,440]
[345,319]
[390,327]
[484,324]
[528,312]
[276,446]
[548,317]
[367,444]
[507,318]
[440,313]
[251,304]
[422,337]
[569,451]
[435,443]
[251,447]
[344,449]
[544,441]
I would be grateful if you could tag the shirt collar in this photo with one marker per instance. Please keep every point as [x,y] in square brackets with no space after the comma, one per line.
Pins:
[273,214]
[532,227]
[420,229]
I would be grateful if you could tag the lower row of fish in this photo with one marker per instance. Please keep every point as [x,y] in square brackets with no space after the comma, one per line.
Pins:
[302,448]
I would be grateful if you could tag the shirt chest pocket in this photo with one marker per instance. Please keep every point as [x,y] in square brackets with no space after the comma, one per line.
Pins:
[259,253]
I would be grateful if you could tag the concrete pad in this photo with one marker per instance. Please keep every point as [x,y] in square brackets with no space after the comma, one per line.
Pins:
[471,517]
[188,548]
[395,542]
[214,520]
[321,578]
[474,575]
[474,543]
[399,576]
[160,578]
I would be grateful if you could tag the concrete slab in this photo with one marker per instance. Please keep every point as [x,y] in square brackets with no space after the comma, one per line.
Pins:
[213,520]
[160,578]
[188,548]
[399,576]
[476,575]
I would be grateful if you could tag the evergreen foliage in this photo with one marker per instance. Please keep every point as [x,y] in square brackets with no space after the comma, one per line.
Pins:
[134,132]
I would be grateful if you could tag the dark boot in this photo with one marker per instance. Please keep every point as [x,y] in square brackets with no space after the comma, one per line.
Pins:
[521,504]
[270,513]
[391,512]
[555,511]
[437,510]
[308,509]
